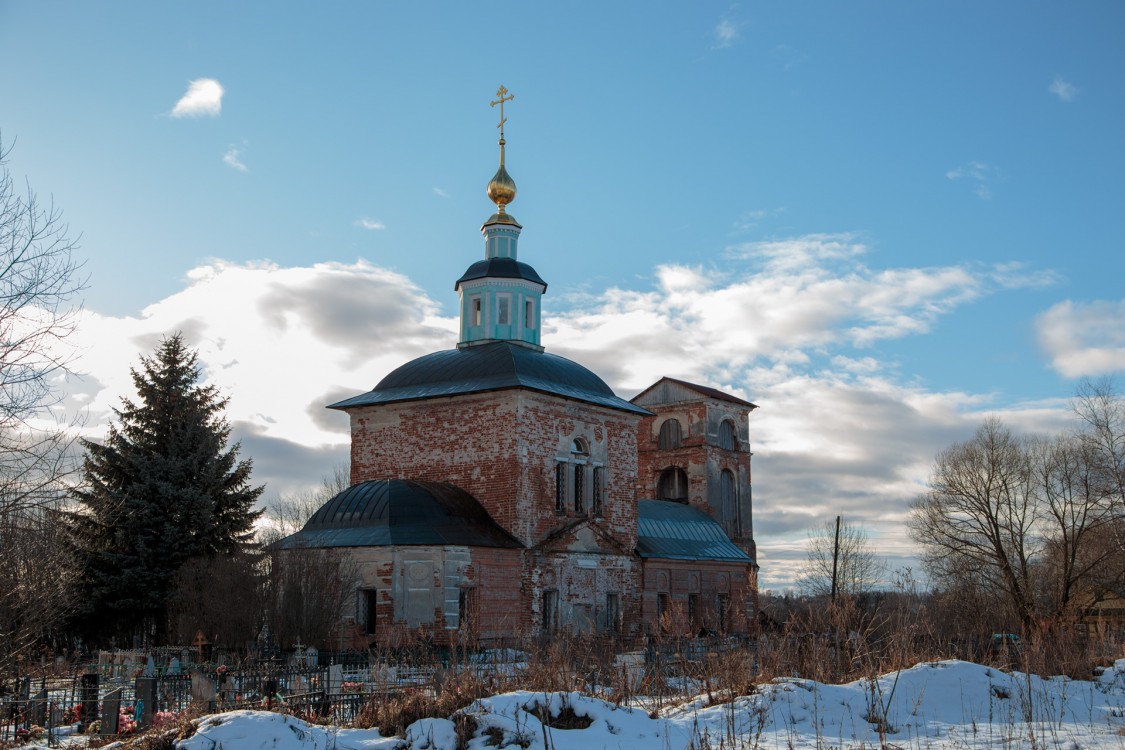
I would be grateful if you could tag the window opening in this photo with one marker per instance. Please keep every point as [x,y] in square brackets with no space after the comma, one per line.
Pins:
[370,610]
[722,605]
[503,310]
[560,487]
[528,314]
[671,435]
[475,302]
[579,488]
[465,601]
[728,493]
[663,616]
[672,485]
[693,610]
[597,490]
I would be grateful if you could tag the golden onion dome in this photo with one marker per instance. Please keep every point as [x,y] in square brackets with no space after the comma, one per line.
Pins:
[501,188]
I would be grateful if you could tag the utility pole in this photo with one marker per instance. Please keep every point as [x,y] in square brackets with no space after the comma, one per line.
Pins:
[835,559]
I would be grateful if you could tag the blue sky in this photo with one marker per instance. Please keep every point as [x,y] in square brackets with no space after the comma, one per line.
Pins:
[879,221]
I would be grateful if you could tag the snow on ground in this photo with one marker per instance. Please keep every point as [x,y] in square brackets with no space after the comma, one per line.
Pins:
[948,704]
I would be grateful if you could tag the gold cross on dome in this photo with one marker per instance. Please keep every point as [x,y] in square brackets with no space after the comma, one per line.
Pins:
[504,97]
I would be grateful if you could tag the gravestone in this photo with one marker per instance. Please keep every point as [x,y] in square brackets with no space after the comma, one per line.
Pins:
[335,679]
[174,665]
[89,691]
[150,668]
[111,713]
[146,702]
[39,709]
[202,691]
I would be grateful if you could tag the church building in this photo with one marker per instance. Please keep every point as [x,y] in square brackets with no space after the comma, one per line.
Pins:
[498,490]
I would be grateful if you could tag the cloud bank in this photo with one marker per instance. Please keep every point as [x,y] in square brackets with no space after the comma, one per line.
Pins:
[788,324]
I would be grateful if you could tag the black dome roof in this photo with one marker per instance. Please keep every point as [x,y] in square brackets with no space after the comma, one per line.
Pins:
[385,512]
[500,268]
[490,367]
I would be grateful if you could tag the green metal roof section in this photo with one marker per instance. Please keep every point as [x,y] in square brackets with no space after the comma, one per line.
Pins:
[675,531]
[498,366]
[385,512]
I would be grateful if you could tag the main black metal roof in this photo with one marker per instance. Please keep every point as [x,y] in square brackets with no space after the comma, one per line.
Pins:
[386,512]
[490,367]
[500,268]
[679,532]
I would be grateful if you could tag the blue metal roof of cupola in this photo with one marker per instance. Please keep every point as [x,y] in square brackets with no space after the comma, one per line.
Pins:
[496,366]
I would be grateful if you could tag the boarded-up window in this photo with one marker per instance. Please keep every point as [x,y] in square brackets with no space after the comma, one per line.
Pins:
[728,435]
[550,611]
[728,494]
[613,613]
[503,310]
[671,435]
[672,485]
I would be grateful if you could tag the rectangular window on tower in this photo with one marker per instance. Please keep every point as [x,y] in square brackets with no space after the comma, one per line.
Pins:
[474,306]
[528,314]
[504,310]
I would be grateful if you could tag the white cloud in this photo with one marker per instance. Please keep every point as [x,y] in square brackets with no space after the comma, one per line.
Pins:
[778,324]
[979,173]
[204,98]
[1063,89]
[233,158]
[373,224]
[1084,339]
[440,193]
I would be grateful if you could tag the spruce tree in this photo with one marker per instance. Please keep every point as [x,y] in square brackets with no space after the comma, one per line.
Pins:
[163,489]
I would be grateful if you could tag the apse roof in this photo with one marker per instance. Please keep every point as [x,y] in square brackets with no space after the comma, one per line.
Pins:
[679,532]
[495,366]
[385,512]
[500,268]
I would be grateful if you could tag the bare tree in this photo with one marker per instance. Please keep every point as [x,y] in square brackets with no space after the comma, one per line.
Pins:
[843,563]
[977,521]
[38,282]
[289,513]
[1027,521]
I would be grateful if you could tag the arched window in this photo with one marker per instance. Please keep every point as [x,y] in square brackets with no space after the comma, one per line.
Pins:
[670,435]
[728,435]
[728,494]
[672,485]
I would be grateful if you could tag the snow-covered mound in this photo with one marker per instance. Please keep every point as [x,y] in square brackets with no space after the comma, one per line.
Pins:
[950,704]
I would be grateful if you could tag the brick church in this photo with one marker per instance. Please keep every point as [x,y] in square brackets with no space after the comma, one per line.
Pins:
[498,490]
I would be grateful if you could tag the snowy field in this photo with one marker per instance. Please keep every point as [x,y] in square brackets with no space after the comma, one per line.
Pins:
[949,704]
